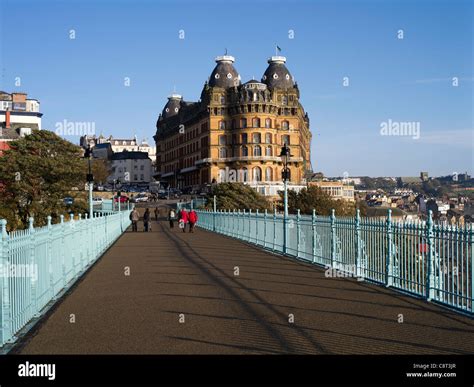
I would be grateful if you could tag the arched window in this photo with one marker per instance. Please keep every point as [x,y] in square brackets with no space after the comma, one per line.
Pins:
[243,122]
[256,138]
[268,123]
[257,174]
[222,99]
[256,122]
[222,153]
[285,140]
[257,150]
[222,125]
[221,176]
[222,140]
[255,97]
[285,125]
[268,138]
[284,100]
[245,151]
[268,174]
[268,151]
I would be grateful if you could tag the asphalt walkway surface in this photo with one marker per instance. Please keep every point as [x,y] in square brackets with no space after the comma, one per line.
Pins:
[181,296]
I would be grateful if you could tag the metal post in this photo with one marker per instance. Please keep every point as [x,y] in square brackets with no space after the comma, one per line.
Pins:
[50,256]
[63,249]
[333,237]
[313,229]
[250,225]
[91,207]
[256,227]
[274,227]
[298,232]
[285,217]
[34,281]
[430,290]
[471,234]
[358,269]
[265,228]
[214,215]
[5,301]
[388,262]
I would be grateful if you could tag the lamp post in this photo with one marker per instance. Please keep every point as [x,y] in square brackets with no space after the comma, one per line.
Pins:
[285,155]
[90,179]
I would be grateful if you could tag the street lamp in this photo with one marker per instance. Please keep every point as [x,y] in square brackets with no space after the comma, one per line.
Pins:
[285,155]
[90,179]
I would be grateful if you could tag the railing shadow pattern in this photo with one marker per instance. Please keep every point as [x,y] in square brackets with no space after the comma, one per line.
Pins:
[428,260]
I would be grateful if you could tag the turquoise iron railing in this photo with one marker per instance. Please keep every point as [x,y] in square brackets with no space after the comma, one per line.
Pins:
[430,260]
[38,264]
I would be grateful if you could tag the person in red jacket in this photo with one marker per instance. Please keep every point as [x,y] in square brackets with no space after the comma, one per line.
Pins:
[183,219]
[193,218]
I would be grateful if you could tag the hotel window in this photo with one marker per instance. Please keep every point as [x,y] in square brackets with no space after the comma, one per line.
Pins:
[268,123]
[222,153]
[268,174]
[243,123]
[257,150]
[268,151]
[284,100]
[285,125]
[256,138]
[222,99]
[244,138]
[257,174]
[222,140]
[233,124]
[285,140]
[222,125]
[268,138]
[256,122]
[245,151]
[255,97]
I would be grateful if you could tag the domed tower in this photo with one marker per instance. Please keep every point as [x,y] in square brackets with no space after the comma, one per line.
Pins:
[172,106]
[224,74]
[277,75]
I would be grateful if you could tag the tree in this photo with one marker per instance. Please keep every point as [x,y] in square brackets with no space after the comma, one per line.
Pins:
[36,173]
[237,196]
[314,197]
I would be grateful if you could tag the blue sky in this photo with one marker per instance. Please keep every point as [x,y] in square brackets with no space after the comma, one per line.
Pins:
[403,80]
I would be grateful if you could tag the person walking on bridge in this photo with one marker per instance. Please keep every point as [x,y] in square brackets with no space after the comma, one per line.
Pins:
[171,216]
[193,218]
[146,220]
[183,219]
[134,217]
[156,214]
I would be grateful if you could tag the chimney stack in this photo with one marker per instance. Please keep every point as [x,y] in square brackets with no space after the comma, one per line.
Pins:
[7,119]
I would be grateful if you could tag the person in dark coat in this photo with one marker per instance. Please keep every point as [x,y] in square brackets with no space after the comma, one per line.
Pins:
[146,220]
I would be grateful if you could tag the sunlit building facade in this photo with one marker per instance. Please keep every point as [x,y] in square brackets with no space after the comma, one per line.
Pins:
[235,132]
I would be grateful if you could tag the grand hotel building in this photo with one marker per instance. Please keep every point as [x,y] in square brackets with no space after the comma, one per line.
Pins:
[235,132]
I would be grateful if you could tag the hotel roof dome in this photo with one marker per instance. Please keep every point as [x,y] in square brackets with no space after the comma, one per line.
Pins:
[224,74]
[276,75]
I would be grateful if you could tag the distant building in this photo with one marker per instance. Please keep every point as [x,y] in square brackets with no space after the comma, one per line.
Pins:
[102,151]
[131,168]
[409,180]
[335,189]
[424,176]
[120,144]
[18,116]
